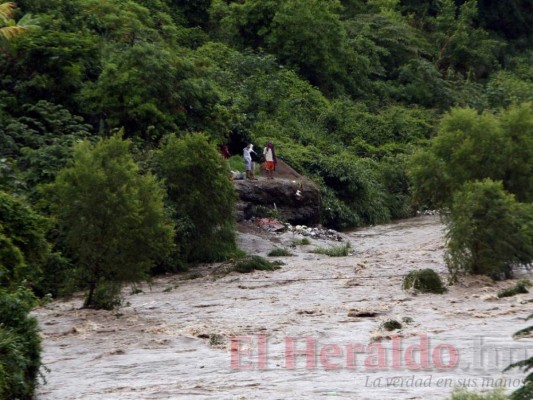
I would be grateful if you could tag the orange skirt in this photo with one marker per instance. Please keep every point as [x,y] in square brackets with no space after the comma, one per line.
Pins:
[269,165]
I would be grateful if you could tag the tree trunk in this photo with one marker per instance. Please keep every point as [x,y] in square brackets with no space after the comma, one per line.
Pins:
[89,300]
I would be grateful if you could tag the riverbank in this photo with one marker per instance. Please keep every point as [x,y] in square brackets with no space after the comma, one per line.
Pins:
[173,340]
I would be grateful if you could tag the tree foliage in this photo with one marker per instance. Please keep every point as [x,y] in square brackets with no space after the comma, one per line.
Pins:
[20,345]
[472,146]
[202,197]
[488,231]
[310,36]
[113,217]
[24,247]
[40,139]
[459,43]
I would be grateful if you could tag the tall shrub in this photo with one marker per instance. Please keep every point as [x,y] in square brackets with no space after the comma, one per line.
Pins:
[23,247]
[113,218]
[202,196]
[20,345]
[488,231]
[472,146]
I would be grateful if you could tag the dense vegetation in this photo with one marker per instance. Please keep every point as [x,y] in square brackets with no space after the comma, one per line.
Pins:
[111,112]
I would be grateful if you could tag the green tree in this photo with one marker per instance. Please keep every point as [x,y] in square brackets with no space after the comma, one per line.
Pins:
[388,40]
[309,36]
[517,123]
[195,12]
[488,231]
[128,22]
[24,247]
[506,88]
[20,345]
[459,44]
[202,196]
[511,19]
[51,66]
[113,217]
[462,151]
[472,146]
[243,24]
[40,140]
[150,90]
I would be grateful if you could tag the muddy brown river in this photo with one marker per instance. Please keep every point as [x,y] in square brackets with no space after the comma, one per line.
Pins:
[311,330]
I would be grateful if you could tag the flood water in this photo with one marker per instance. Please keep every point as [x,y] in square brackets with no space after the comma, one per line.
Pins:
[310,330]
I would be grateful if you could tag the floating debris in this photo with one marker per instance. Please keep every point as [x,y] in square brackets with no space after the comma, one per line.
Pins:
[318,232]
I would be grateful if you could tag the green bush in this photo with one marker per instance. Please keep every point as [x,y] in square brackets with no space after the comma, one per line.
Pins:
[337,214]
[391,325]
[301,242]
[356,184]
[253,263]
[107,295]
[488,231]
[423,280]
[24,248]
[236,163]
[398,193]
[472,146]
[20,345]
[202,197]
[280,252]
[463,394]
[58,277]
[520,287]
[334,251]
[267,212]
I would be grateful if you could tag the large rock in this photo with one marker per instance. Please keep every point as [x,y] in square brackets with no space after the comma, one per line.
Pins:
[298,201]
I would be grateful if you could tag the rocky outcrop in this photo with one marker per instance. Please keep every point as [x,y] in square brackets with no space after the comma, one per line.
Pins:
[298,201]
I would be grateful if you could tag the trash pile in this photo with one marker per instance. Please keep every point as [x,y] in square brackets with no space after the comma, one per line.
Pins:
[316,232]
[274,225]
[236,175]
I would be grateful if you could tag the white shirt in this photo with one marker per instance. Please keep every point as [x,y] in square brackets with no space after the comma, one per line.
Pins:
[246,154]
[267,152]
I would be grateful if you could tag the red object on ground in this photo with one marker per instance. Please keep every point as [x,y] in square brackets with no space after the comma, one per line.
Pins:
[269,224]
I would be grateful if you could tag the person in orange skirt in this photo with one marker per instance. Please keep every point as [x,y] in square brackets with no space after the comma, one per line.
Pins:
[270,160]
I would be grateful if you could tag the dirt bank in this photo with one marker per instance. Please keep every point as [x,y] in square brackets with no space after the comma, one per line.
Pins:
[172,341]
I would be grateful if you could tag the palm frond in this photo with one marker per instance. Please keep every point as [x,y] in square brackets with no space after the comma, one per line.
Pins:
[28,21]
[7,10]
[13,29]
[9,32]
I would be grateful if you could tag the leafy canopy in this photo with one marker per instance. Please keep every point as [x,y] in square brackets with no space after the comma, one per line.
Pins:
[472,146]
[488,231]
[201,196]
[113,217]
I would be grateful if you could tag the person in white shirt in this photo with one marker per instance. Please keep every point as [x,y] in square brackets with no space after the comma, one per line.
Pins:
[248,163]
